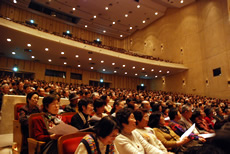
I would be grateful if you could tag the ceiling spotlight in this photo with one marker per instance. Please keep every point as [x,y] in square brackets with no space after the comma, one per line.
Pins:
[113,63]
[130,27]
[65,63]
[13,53]
[125,72]
[156,76]
[126,15]
[32,21]
[32,57]
[160,71]
[94,16]
[181,1]
[167,71]
[136,74]
[123,65]
[121,35]
[90,58]
[103,70]
[152,70]
[134,67]
[98,40]
[91,68]
[156,13]
[114,22]
[76,56]
[146,75]
[143,69]
[115,71]
[62,53]
[143,21]
[46,49]
[78,65]
[68,32]
[138,6]
[49,60]
[86,26]
[15,1]
[106,8]
[29,45]
[104,31]
[74,9]
[102,61]
[8,40]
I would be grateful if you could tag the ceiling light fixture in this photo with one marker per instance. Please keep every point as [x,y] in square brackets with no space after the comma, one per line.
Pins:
[65,63]
[130,27]
[115,71]
[152,70]
[62,53]
[104,31]
[123,65]
[156,76]
[49,60]
[86,26]
[143,21]
[90,58]
[46,49]
[32,57]
[15,1]
[13,53]
[103,70]
[143,69]
[8,40]
[94,16]
[91,68]
[156,13]
[136,74]
[134,67]
[102,61]
[78,65]
[126,15]
[29,45]
[138,6]
[113,63]
[74,9]
[146,75]
[114,22]
[76,56]
[121,35]
[106,8]
[167,71]
[160,71]
[181,1]
[125,72]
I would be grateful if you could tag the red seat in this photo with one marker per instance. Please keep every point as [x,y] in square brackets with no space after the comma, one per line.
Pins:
[16,110]
[67,116]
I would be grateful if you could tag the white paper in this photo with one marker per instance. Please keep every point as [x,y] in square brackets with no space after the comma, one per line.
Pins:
[188,132]
[207,135]
[63,129]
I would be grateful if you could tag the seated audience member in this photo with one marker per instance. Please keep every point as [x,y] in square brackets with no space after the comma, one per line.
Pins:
[102,142]
[72,106]
[156,106]
[146,105]
[219,117]
[49,121]
[27,89]
[118,104]
[185,118]
[142,119]
[4,91]
[175,116]
[201,123]
[130,140]
[20,90]
[108,107]
[165,134]
[99,108]
[24,113]
[41,92]
[209,117]
[81,119]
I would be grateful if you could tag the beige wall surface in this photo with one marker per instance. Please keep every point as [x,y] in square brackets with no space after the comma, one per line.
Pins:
[197,35]
[115,81]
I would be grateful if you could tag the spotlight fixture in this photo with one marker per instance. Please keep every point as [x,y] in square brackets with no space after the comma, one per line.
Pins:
[8,40]
[15,68]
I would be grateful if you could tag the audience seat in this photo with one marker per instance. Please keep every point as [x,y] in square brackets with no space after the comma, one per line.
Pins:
[67,144]
[67,116]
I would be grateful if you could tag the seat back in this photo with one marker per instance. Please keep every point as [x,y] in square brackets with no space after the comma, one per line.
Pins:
[67,144]
[16,110]
[30,122]
[67,116]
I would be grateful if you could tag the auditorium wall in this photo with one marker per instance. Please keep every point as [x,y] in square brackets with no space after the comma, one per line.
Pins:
[197,35]
[116,81]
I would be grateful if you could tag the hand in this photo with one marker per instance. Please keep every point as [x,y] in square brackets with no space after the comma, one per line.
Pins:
[54,136]
[202,139]
[183,141]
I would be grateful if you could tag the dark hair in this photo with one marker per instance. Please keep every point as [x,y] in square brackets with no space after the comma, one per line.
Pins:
[29,96]
[155,106]
[48,100]
[84,102]
[116,103]
[104,97]
[105,126]
[123,115]
[154,119]
[26,86]
[98,103]
[208,111]
[138,114]
[172,113]
[196,113]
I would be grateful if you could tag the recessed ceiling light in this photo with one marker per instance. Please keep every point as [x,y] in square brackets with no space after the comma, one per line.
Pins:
[138,6]
[125,72]
[152,70]
[86,26]
[143,69]
[8,40]
[29,45]
[76,56]
[62,53]
[102,61]
[123,66]
[181,1]
[49,60]
[115,71]
[104,31]
[121,35]
[156,13]
[90,58]
[160,71]
[78,65]
[126,15]
[167,71]
[106,8]
[15,1]
[130,27]
[46,49]
[91,68]
[32,57]
[143,21]
[94,16]
[74,9]
[146,75]
[13,53]
[113,63]
[156,76]
[65,63]
[134,67]
[114,22]
[103,70]
[136,74]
